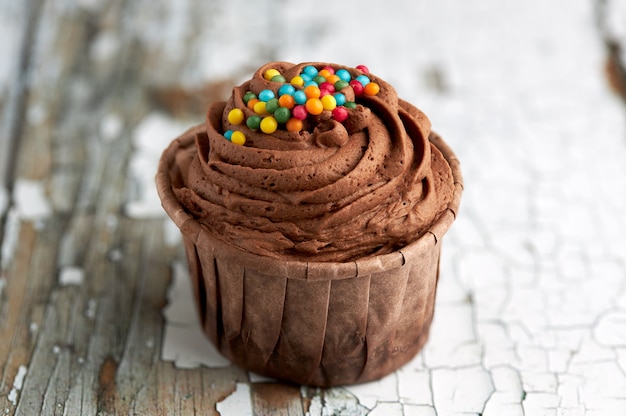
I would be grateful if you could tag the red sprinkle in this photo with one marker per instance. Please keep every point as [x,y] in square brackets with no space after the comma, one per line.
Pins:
[363,69]
[327,86]
[329,69]
[340,114]
[299,112]
[357,87]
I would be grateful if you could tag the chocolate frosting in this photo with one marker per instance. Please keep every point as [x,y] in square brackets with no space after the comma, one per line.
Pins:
[334,191]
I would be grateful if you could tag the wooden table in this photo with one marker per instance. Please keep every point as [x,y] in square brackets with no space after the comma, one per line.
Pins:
[94,306]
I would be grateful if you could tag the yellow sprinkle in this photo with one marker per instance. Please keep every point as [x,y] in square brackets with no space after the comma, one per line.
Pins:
[238,138]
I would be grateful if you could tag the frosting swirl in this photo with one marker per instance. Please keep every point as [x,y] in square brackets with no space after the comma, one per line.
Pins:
[332,191]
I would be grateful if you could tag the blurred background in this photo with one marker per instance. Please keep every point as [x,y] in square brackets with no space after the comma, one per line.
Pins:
[531,308]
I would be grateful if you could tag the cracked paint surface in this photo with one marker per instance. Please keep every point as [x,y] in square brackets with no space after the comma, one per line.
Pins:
[531,307]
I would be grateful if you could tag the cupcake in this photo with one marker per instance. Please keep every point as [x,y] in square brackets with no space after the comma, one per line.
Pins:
[312,204]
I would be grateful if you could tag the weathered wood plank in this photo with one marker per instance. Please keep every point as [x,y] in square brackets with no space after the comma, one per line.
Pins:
[274,399]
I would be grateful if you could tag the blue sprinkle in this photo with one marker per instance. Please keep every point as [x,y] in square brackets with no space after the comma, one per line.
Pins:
[299,97]
[266,95]
[228,134]
[343,74]
[340,98]
[363,80]
[306,77]
[308,83]
[286,89]
[310,70]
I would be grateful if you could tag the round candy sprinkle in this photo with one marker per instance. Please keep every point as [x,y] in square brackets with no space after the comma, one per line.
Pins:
[287,101]
[294,124]
[363,79]
[340,98]
[269,125]
[235,116]
[341,84]
[340,114]
[252,102]
[238,138]
[266,95]
[306,77]
[357,87]
[324,92]
[297,81]
[270,73]
[319,79]
[314,106]
[330,69]
[343,74]
[350,104]
[282,114]
[328,102]
[309,83]
[248,96]
[272,105]
[299,97]
[299,112]
[228,134]
[371,89]
[253,122]
[312,91]
[310,70]
[327,86]
[363,69]
[325,72]
[278,78]
[286,89]
[259,108]
[332,78]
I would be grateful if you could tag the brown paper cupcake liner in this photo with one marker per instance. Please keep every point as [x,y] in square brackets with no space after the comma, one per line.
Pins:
[311,323]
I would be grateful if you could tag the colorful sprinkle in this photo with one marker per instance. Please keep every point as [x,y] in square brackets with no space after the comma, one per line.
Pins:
[251,103]
[357,87]
[282,114]
[287,101]
[314,106]
[364,80]
[228,134]
[266,95]
[299,112]
[253,122]
[297,81]
[294,124]
[270,73]
[363,69]
[328,102]
[312,91]
[310,70]
[343,74]
[341,84]
[350,104]
[286,89]
[268,125]
[299,97]
[271,106]
[278,78]
[340,114]
[235,116]
[259,108]
[371,89]
[238,138]
[340,98]
[248,96]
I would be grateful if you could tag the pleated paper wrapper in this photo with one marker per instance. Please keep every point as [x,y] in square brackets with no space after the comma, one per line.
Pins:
[311,323]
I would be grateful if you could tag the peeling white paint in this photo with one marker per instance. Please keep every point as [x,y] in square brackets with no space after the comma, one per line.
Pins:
[10,237]
[30,199]
[238,403]
[150,138]
[71,276]
[18,382]
[184,342]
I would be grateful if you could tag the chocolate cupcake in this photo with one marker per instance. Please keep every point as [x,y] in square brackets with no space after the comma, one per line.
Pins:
[312,206]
